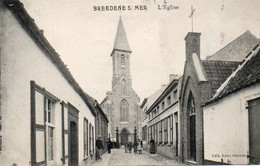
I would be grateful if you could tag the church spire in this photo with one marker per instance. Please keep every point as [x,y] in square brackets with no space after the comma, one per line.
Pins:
[121,42]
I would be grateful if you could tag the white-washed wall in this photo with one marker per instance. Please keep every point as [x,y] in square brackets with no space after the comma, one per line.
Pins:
[226,127]
[23,61]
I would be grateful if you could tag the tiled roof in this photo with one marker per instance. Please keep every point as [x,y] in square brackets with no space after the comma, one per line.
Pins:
[216,72]
[246,75]
[237,49]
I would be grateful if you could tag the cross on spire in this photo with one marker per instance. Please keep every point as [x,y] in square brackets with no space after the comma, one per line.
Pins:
[191,16]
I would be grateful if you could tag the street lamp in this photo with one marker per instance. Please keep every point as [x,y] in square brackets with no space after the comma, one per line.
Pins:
[135,130]
[117,138]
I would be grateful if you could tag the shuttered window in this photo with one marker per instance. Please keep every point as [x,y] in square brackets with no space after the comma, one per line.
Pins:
[42,125]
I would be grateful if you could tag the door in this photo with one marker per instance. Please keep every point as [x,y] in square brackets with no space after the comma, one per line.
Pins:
[73,144]
[124,137]
[254,131]
[192,138]
[73,135]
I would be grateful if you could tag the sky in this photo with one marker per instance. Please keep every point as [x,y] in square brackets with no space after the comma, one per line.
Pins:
[84,38]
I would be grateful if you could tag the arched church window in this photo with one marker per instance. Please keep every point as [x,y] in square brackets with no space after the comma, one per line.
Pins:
[191,105]
[123,59]
[124,87]
[124,108]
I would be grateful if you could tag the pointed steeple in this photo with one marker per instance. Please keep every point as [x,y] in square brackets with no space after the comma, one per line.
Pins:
[121,42]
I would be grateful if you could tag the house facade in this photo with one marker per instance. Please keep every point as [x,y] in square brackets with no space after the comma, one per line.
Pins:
[146,104]
[231,116]
[46,117]
[163,120]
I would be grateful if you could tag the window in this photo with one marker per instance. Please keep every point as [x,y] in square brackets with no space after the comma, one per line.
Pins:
[90,138]
[122,59]
[160,132]
[171,129]
[124,87]
[85,138]
[163,106]
[144,133]
[169,100]
[50,127]
[191,105]
[156,132]
[165,131]
[124,110]
[50,143]
[0,144]
[158,109]
[175,95]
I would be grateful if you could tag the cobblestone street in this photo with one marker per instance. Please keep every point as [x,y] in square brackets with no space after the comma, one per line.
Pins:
[119,157]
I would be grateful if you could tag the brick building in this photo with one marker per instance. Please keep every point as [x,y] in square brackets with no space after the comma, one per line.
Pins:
[201,79]
[121,105]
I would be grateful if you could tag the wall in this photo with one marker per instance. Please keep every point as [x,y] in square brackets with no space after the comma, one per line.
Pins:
[23,61]
[226,127]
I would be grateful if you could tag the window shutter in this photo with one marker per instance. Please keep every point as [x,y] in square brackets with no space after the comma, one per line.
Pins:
[65,136]
[38,130]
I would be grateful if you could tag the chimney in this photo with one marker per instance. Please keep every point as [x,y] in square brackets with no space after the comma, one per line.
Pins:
[192,41]
[173,77]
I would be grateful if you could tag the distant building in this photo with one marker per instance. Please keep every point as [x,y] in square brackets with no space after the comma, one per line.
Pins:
[201,79]
[46,117]
[101,122]
[232,116]
[163,120]
[121,105]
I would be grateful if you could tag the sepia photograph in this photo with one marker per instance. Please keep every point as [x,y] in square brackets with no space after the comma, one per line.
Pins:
[129,82]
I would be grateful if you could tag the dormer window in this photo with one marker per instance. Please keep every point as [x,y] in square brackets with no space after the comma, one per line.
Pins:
[122,59]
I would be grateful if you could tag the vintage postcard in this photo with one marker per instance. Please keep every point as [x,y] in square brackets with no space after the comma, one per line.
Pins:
[129,82]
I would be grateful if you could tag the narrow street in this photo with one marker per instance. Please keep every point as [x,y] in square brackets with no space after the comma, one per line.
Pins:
[119,157]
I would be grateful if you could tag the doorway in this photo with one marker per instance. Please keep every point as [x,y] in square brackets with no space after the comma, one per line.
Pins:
[254,131]
[124,136]
[192,138]
[73,144]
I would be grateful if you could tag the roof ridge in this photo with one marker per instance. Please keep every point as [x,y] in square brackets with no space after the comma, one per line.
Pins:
[247,32]
[224,84]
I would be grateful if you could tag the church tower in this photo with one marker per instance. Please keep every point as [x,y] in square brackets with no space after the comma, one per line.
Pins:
[121,57]
[121,105]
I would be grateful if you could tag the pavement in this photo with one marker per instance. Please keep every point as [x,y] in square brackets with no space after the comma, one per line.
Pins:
[118,157]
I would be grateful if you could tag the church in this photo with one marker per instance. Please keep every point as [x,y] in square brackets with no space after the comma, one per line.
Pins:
[121,104]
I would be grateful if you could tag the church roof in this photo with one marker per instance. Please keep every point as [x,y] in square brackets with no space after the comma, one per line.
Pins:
[121,42]
[247,74]
[237,49]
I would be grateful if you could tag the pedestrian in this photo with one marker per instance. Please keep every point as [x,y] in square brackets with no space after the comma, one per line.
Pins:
[152,146]
[99,146]
[130,146]
[139,147]
[126,147]
[109,145]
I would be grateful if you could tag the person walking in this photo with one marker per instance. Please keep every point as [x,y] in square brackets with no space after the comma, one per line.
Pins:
[130,146]
[139,147]
[99,146]
[109,145]
[152,146]
[126,147]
